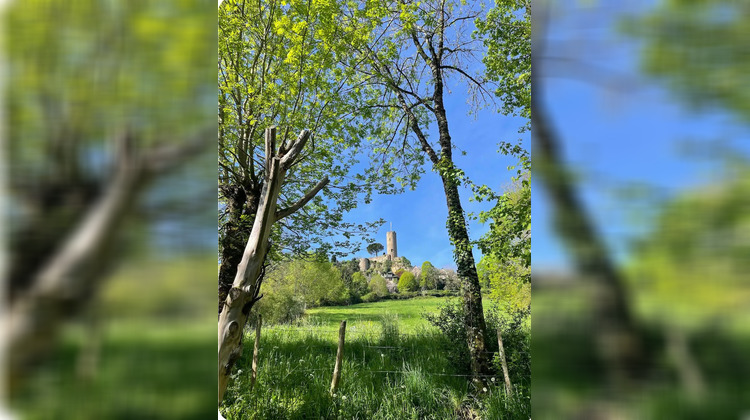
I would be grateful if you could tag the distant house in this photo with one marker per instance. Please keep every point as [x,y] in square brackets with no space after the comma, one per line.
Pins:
[391,282]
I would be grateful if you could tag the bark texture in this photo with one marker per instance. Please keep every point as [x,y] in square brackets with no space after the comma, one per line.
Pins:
[247,281]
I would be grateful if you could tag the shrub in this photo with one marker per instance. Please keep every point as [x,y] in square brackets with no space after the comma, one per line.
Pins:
[280,307]
[516,340]
[428,276]
[407,282]
[378,285]
[370,297]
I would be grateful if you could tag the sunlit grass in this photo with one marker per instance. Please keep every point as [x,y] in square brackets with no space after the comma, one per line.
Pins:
[395,367]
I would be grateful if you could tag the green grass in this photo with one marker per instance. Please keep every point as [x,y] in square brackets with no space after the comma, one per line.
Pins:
[568,376]
[147,370]
[368,315]
[395,367]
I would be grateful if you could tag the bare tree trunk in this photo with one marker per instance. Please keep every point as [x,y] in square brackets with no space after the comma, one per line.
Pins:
[69,279]
[246,286]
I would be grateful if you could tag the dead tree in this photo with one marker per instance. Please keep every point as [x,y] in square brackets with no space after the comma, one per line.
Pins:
[246,285]
[67,280]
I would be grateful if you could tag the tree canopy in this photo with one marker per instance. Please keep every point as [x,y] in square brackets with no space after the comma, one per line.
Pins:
[375,248]
[407,282]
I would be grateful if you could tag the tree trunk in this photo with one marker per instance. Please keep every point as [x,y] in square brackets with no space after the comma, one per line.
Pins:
[67,282]
[619,342]
[69,278]
[470,287]
[246,285]
[235,235]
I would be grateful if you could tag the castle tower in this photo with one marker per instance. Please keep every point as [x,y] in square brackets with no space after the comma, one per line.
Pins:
[390,244]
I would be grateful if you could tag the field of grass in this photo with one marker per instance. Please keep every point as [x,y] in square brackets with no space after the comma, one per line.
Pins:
[568,376]
[368,315]
[395,367]
[147,370]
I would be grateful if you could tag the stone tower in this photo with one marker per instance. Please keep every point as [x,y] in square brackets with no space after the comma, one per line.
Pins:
[390,245]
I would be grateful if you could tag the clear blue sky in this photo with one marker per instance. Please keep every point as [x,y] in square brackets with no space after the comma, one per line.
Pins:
[615,137]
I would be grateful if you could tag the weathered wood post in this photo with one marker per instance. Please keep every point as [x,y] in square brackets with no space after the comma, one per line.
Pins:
[255,351]
[504,364]
[339,356]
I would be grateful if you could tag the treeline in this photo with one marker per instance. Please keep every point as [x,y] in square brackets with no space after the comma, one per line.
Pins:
[292,286]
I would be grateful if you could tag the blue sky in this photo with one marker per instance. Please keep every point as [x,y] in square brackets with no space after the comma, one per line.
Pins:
[619,136]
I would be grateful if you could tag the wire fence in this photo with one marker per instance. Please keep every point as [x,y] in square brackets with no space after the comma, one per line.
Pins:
[375,332]
[401,372]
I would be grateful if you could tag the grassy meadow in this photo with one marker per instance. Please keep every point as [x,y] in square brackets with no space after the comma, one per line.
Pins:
[395,366]
[562,332]
[156,342]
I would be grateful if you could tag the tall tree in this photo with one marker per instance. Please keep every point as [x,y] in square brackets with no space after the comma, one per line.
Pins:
[280,64]
[284,64]
[417,48]
[375,248]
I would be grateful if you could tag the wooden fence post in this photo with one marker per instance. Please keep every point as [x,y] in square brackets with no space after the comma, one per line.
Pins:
[255,352]
[504,364]
[339,356]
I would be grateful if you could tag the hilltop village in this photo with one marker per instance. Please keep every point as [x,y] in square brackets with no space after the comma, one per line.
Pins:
[392,268]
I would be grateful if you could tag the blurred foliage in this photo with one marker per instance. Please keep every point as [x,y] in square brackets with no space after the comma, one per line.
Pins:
[178,289]
[83,70]
[691,267]
[80,75]
[698,50]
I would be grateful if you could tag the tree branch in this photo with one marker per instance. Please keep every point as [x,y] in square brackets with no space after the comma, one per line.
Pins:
[295,149]
[280,214]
